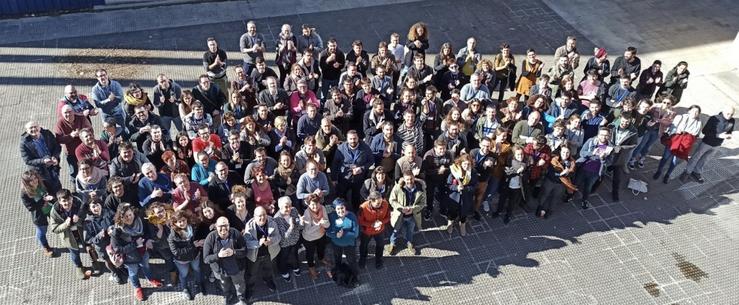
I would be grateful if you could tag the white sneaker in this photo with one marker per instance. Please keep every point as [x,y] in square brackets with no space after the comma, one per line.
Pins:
[113,278]
[486,206]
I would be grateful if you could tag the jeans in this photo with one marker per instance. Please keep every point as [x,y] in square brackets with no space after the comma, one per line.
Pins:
[703,153]
[262,267]
[41,236]
[233,286]
[407,225]
[646,142]
[183,269]
[167,122]
[248,67]
[287,259]
[551,192]
[118,114]
[492,189]
[364,241]
[585,181]
[327,84]
[133,270]
[667,155]
[74,255]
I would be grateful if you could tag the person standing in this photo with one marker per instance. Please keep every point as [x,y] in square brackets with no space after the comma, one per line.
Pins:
[40,151]
[718,128]
[460,189]
[107,94]
[38,200]
[676,81]
[343,231]
[407,199]
[291,226]
[223,248]
[684,130]
[167,95]
[67,132]
[214,62]
[251,45]
[184,248]
[331,62]
[374,218]
[262,237]
[351,166]
[595,156]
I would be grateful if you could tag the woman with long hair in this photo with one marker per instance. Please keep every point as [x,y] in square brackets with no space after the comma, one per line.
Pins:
[557,181]
[460,192]
[136,96]
[38,201]
[130,239]
[184,248]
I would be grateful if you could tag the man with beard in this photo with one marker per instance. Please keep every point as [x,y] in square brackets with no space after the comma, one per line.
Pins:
[79,103]
[309,151]
[350,167]
[212,98]
[328,139]
[214,62]
[260,158]
[236,153]
[156,145]
[140,126]
[221,184]
[274,97]
[628,65]
[127,165]
[167,94]
[251,45]
[332,62]
[40,151]
[108,95]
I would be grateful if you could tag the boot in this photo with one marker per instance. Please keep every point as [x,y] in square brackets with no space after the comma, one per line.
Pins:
[173,278]
[450,226]
[312,273]
[463,229]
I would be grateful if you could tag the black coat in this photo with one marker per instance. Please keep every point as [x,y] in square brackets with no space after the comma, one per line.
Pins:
[183,249]
[224,265]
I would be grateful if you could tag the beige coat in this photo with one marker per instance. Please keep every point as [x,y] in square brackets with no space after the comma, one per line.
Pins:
[398,202]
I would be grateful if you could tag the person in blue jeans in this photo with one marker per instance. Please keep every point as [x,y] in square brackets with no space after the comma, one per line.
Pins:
[130,239]
[37,200]
[407,200]
[67,216]
[595,156]
[185,250]
[689,123]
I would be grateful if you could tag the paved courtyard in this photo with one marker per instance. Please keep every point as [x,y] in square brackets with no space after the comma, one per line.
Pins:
[678,244]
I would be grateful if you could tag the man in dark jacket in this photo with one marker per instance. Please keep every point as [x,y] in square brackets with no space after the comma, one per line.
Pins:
[219,187]
[351,166]
[40,151]
[223,250]
[435,165]
[718,128]
[212,97]
[127,165]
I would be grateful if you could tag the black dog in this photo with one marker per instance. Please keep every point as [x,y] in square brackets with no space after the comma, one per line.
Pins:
[345,276]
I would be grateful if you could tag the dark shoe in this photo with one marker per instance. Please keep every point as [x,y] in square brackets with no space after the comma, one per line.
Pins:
[477,216]
[203,287]
[296,272]
[656,175]
[631,166]
[585,204]
[640,163]
[546,213]
[506,219]
[271,285]
[286,277]
[614,197]
[362,263]
[666,179]
[697,177]
[684,177]
[379,264]
[426,215]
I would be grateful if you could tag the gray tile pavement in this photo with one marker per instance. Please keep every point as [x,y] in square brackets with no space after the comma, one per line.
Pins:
[604,255]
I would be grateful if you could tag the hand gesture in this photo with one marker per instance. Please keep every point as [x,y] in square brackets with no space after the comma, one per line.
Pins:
[111,97]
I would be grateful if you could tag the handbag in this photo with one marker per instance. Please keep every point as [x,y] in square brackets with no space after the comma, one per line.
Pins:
[637,186]
[115,257]
[681,145]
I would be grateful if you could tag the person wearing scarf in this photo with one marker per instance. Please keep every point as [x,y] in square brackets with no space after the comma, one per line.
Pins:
[130,239]
[38,201]
[315,221]
[556,180]
[515,183]
[91,182]
[186,253]
[289,222]
[135,96]
[285,177]
[67,216]
[460,191]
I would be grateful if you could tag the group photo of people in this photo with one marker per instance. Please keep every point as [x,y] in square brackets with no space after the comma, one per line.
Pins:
[303,158]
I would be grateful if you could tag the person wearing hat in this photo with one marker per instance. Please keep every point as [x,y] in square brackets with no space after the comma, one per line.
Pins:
[374,217]
[599,63]
[343,231]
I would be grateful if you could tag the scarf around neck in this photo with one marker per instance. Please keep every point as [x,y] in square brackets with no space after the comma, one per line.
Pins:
[461,175]
[130,100]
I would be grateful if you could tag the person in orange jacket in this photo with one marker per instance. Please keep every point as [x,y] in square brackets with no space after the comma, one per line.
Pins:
[374,217]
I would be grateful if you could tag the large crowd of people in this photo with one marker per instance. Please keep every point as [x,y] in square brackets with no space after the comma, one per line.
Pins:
[337,149]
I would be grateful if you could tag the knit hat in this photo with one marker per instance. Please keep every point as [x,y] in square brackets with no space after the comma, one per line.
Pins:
[600,53]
